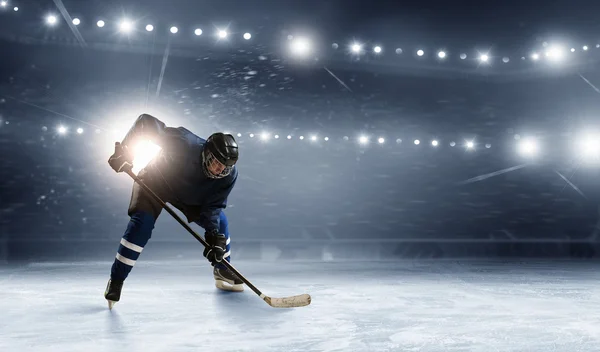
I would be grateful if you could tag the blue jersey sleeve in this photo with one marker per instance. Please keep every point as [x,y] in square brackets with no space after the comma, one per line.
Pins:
[209,217]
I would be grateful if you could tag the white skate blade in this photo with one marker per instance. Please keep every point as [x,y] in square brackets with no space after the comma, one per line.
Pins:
[110,304]
[226,286]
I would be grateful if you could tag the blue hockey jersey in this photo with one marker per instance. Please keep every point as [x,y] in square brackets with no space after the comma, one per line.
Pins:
[178,166]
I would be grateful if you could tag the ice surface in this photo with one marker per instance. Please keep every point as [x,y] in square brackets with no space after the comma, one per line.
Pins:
[385,306]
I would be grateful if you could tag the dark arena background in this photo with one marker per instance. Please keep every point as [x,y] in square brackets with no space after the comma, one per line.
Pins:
[429,172]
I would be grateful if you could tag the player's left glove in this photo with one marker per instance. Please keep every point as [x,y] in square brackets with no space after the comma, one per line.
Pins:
[216,246]
[122,159]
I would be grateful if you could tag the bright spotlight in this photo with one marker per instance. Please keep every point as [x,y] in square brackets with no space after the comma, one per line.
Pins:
[420,52]
[79,130]
[61,130]
[380,140]
[463,56]
[356,48]
[289,137]
[149,28]
[222,34]
[143,153]
[434,143]
[441,54]
[251,135]
[174,30]
[417,142]
[51,20]
[589,147]
[470,145]
[528,147]
[276,136]
[16,8]
[126,26]
[264,136]
[239,134]
[313,138]
[484,58]
[555,53]
[300,46]
[247,36]
[326,139]
[76,21]
[377,50]
[100,23]
[572,50]
[505,59]
[535,56]
[585,47]
[363,140]
[3,3]
[301,137]
[198,32]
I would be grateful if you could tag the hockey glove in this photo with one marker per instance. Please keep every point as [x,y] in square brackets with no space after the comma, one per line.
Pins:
[121,160]
[216,247]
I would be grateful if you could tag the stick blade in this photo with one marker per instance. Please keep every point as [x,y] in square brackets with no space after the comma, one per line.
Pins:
[289,302]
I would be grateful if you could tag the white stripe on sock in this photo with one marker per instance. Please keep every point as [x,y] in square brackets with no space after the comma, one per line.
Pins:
[134,247]
[226,254]
[124,260]
[228,240]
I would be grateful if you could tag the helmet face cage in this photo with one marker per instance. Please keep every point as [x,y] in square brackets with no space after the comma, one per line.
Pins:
[209,158]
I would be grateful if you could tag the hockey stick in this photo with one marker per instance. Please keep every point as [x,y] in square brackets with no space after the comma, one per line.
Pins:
[283,302]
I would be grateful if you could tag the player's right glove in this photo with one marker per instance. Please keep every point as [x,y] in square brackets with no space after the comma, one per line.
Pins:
[121,160]
[216,246]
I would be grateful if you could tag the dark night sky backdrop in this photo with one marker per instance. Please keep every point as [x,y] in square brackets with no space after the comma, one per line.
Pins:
[60,188]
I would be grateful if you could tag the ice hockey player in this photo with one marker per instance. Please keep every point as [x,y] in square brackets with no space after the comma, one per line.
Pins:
[194,175]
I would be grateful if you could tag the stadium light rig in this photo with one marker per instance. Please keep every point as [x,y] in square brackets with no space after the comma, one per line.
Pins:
[3,3]
[377,49]
[528,147]
[222,34]
[356,48]
[420,52]
[149,28]
[363,140]
[300,46]
[76,21]
[126,26]
[441,54]
[247,36]
[174,30]
[198,32]
[51,20]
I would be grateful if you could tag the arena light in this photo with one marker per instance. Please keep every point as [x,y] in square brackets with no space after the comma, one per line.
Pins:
[16,8]
[417,142]
[535,56]
[505,59]
[265,136]
[528,147]
[441,54]
[313,138]
[470,145]
[380,140]
[300,46]
[301,138]
[356,48]
[222,34]
[463,56]
[363,139]
[585,47]
[79,130]
[398,51]
[434,143]
[276,136]
[239,134]
[100,24]
[247,36]
[126,26]
[76,21]
[173,30]
[326,139]
[420,52]
[143,153]
[3,3]
[289,136]
[149,28]
[555,53]
[251,135]
[61,130]
[377,49]
[51,20]
[589,147]
[572,50]
[484,58]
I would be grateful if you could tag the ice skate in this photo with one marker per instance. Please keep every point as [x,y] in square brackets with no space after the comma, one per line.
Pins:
[113,292]
[227,281]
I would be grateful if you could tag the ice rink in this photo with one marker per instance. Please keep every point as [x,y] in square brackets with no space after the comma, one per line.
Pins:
[384,306]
